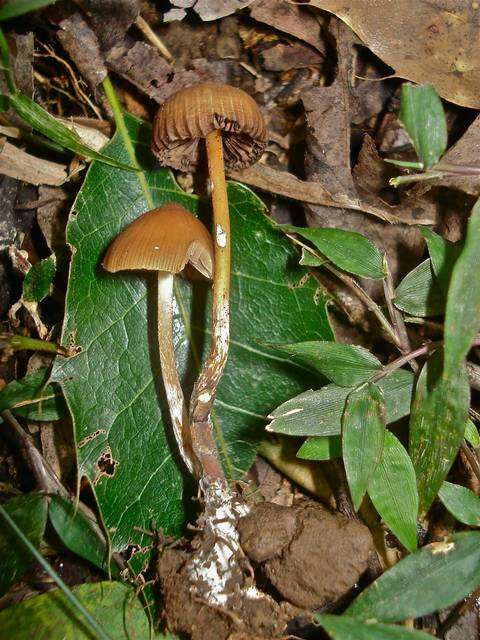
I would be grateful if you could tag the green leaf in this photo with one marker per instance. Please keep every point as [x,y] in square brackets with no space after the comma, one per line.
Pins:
[437,426]
[463,504]
[348,250]
[322,448]
[471,434]
[77,534]
[443,256]
[344,364]
[363,434]
[344,628]
[405,163]
[4,103]
[13,8]
[38,281]
[422,115]
[419,294]
[393,491]
[319,413]
[33,397]
[52,617]
[435,577]
[308,260]
[29,513]
[46,124]
[123,436]
[462,316]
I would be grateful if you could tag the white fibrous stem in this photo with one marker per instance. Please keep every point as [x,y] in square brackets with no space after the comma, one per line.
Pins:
[215,570]
[173,389]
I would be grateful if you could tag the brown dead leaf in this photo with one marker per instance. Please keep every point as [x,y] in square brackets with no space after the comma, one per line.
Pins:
[423,41]
[81,43]
[290,18]
[283,57]
[465,152]
[286,185]
[110,19]
[23,166]
[215,9]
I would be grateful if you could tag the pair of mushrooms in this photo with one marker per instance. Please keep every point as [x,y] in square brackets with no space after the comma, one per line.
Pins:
[168,238]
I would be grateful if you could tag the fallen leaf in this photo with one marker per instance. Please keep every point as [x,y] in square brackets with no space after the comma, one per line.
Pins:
[81,43]
[23,166]
[296,20]
[423,41]
[110,19]
[215,9]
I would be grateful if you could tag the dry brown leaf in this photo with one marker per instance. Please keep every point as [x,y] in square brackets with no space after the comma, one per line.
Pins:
[81,43]
[283,57]
[110,19]
[290,18]
[423,40]
[215,9]
[287,185]
[23,166]
[464,152]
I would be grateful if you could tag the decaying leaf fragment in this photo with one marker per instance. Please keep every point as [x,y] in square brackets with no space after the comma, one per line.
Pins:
[423,41]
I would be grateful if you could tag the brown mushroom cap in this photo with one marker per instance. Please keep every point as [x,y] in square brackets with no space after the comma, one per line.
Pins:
[164,239]
[191,113]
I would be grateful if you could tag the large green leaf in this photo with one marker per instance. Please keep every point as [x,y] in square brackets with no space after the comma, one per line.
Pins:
[419,294]
[52,617]
[122,434]
[422,115]
[344,364]
[462,316]
[437,576]
[462,503]
[393,491]
[29,513]
[348,250]
[363,435]
[76,531]
[437,426]
[319,413]
[345,628]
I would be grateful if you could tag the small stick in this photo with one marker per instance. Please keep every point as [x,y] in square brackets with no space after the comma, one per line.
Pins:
[152,37]
[396,316]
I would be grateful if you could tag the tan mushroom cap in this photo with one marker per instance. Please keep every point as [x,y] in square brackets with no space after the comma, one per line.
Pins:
[190,114]
[164,239]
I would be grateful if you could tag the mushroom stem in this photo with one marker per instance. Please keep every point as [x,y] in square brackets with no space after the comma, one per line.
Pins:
[173,389]
[205,389]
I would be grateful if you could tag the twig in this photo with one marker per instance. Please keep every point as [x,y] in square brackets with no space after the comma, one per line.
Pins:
[473,371]
[19,342]
[472,459]
[403,341]
[152,37]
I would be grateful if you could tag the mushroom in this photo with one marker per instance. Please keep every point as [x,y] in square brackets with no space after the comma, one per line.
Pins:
[166,240]
[234,130]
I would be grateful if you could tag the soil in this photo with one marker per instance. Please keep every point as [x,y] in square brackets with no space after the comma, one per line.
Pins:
[306,555]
